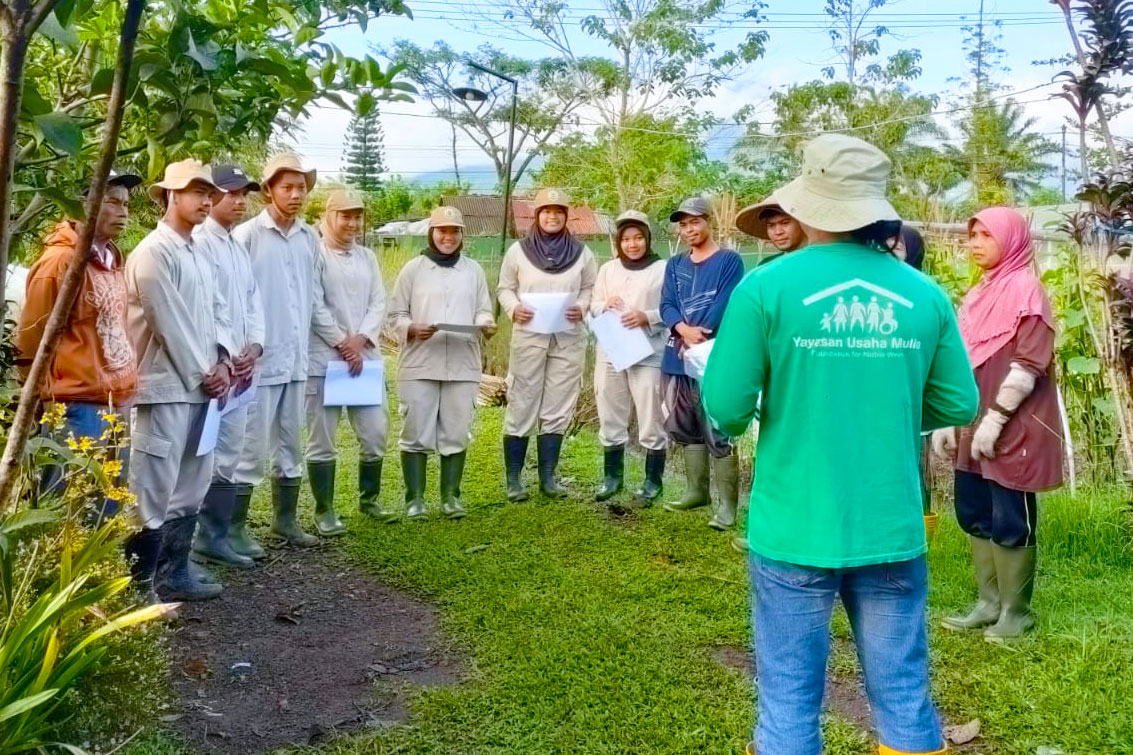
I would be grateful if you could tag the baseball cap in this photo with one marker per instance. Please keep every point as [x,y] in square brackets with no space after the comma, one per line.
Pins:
[232,178]
[697,206]
[127,180]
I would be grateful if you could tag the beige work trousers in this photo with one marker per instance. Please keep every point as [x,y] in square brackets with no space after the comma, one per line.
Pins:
[169,480]
[638,390]
[370,423]
[436,415]
[543,382]
[229,445]
[274,428]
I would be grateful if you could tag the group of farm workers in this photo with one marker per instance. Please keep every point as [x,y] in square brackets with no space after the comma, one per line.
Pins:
[842,351]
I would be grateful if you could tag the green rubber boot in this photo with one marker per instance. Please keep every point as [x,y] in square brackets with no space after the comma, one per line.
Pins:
[550,446]
[1015,573]
[987,608]
[285,503]
[211,543]
[320,476]
[727,473]
[238,536]
[696,480]
[452,471]
[370,492]
[613,462]
[413,467]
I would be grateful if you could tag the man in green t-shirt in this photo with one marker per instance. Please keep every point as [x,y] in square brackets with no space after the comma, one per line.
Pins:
[847,354]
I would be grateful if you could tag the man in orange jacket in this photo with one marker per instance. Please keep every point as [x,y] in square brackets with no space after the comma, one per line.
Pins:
[93,372]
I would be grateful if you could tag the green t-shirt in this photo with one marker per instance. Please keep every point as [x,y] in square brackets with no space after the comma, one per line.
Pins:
[854,354]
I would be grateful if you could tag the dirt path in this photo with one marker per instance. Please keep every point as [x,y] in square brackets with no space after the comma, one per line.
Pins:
[297,651]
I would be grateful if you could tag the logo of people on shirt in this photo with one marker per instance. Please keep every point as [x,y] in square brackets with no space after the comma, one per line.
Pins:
[857,314]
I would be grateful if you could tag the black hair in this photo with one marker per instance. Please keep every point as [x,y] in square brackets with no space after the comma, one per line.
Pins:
[880,235]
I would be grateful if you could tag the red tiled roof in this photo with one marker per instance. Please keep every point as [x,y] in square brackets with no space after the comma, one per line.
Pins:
[482,216]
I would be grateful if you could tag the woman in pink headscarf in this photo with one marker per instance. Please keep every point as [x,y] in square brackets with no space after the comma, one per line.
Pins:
[1014,449]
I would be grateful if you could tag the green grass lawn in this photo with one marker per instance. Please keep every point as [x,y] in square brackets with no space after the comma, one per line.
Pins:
[585,633]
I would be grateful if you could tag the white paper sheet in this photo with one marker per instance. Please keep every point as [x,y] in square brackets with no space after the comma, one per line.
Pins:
[368,389]
[453,328]
[624,347]
[243,398]
[695,359]
[550,311]
[210,430]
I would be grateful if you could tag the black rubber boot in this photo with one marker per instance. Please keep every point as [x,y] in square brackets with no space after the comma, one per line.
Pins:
[613,460]
[370,492]
[550,446]
[285,503]
[211,541]
[238,536]
[515,456]
[651,489]
[320,476]
[452,472]
[413,467]
[143,550]
[178,581]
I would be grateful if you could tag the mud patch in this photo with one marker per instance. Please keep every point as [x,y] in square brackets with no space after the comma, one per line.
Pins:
[297,651]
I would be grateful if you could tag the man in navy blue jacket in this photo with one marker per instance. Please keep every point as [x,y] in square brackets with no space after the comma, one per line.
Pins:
[698,284]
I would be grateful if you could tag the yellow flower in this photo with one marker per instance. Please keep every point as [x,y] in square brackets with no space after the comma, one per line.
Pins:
[112,468]
[72,443]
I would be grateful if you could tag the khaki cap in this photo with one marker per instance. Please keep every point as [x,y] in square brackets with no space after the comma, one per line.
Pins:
[633,216]
[752,219]
[287,161]
[341,200]
[178,176]
[842,186]
[446,217]
[551,198]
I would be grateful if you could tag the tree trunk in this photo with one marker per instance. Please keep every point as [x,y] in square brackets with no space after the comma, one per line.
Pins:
[1083,157]
[1103,121]
[69,287]
[13,54]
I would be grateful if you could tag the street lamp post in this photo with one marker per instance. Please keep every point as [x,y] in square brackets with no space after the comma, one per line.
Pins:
[476,95]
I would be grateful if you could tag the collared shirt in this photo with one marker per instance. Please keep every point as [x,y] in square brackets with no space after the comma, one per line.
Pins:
[233,271]
[640,290]
[350,298]
[428,294]
[283,263]
[518,276]
[176,317]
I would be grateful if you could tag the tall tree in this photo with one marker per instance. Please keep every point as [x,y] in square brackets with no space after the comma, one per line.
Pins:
[364,154]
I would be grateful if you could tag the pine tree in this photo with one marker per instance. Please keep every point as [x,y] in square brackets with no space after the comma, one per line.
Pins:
[363,155]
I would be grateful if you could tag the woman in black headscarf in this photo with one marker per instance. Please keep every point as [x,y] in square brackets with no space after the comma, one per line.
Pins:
[909,247]
[546,269]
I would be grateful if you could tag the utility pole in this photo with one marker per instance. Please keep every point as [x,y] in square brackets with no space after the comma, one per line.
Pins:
[1063,163]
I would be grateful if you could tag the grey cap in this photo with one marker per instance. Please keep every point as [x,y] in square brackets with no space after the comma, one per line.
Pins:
[633,216]
[697,206]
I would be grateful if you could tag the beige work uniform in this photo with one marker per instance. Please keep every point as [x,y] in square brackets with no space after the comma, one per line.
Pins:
[544,371]
[438,379]
[638,388]
[233,272]
[283,264]
[350,299]
[179,326]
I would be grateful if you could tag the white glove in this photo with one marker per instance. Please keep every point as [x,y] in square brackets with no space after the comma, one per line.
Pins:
[944,444]
[987,433]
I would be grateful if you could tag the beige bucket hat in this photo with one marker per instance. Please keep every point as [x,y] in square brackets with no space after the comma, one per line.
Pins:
[551,198]
[446,217]
[341,200]
[842,186]
[287,161]
[752,219]
[178,176]
[633,216]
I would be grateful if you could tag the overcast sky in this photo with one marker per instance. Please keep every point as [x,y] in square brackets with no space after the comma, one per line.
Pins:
[797,51]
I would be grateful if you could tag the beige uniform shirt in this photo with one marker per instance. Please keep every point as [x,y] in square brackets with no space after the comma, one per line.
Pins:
[176,317]
[283,264]
[233,271]
[638,289]
[428,294]
[518,276]
[350,298]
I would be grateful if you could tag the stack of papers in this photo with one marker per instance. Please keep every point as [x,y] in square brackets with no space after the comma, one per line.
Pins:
[624,347]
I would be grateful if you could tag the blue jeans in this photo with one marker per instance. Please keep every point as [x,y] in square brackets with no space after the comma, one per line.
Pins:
[886,605]
[84,420]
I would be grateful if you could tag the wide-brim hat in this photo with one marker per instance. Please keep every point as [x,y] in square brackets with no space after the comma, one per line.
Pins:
[842,186]
[178,176]
[287,161]
[551,198]
[342,200]
[752,219]
[446,217]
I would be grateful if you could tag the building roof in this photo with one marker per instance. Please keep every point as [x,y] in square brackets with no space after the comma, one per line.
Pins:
[482,217]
